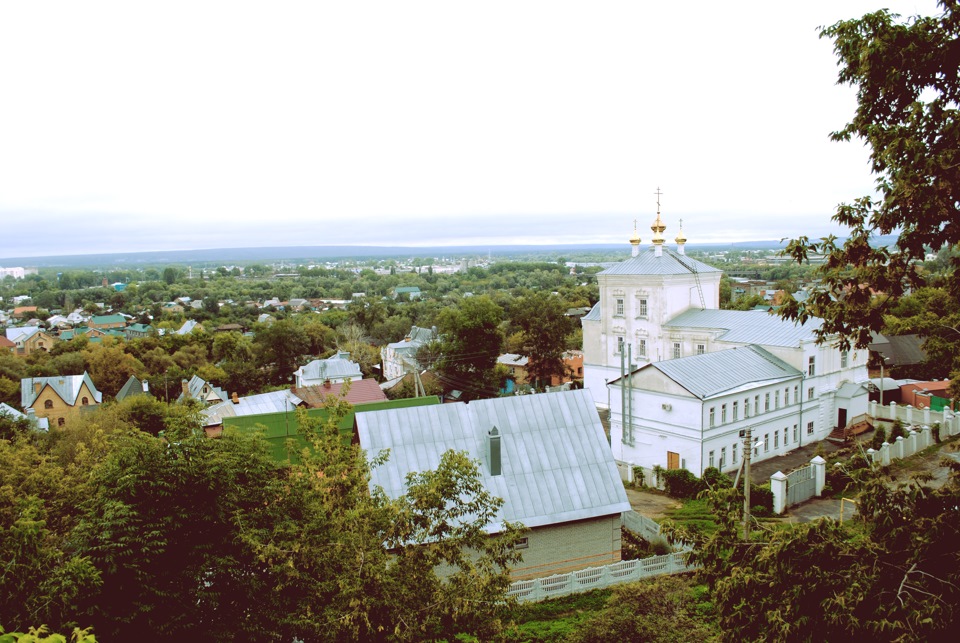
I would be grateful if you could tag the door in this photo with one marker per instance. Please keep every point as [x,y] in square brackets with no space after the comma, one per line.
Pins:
[673,460]
[842,418]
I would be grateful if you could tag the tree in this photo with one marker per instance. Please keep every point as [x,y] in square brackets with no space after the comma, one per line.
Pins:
[471,345]
[544,325]
[908,91]
[170,275]
[280,345]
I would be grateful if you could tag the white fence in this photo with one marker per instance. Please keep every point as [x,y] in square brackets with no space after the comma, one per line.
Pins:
[585,580]
[948,420]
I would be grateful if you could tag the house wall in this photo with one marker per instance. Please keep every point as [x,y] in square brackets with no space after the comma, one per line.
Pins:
[60,408]
[39,341]
[565,547]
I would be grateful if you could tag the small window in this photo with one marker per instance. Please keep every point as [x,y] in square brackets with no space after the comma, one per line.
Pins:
[711,459]
[642,348]
[736,409]
[766,442]
[766,403]
[522,543]
[809,428]
[776,439]
[746,408]
[642,308]
[786,397]
[723,457]
[756,405]
[48,404]
[786,436]
[796,436]
[776,395]
[701,349]
[812,366]
[723,414]
[810,393]
[796,394]
[733,453]
[84,401]
[676,350]
[619,308]
[60,421]
[713,416]
[619,345]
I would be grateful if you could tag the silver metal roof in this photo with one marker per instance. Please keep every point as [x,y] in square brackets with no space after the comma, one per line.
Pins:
[748,326]
[715,373]
[594,314]
[669,262]
[556,463]
[272,402]
[332,367]
[66,386]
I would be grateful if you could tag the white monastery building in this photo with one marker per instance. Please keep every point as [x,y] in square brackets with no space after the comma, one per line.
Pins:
[697,375]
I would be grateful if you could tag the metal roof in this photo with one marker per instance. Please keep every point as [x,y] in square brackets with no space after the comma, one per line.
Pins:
[556,463]
[66,386]
[332,367]
[594,314]
[669,262]
[748,326]
[712,374]
[272,402]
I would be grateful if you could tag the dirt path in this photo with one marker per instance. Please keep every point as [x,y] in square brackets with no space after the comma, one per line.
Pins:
[651,505]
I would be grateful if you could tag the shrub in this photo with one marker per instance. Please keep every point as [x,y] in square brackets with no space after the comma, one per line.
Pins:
[682,484]
[761,496]
[879,437]
[638,477]
[896,431]
[935,432]
[714,478]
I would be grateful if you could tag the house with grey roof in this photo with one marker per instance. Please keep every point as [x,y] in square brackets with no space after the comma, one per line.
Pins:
[56,398]
[334,369]
[661,305]
[400,358]
[545,455]
[202,391]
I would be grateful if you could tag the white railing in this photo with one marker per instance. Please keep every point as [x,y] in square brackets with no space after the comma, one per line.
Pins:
[585,580]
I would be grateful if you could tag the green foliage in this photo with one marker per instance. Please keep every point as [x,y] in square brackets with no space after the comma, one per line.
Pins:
[42,635]
[879,437]
[471,343]
[639,477]
[556,619]
[681,483]
[544,328]
[896,431]
[661,609]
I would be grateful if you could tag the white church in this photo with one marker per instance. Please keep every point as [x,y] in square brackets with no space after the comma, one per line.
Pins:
[695,375]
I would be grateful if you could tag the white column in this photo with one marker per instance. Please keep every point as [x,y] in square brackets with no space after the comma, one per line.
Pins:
[909,414]
[778,485]
[926,437]
[885,454]
[897,451]
[819,473]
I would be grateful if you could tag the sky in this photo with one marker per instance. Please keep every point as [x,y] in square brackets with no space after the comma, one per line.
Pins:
[129,126]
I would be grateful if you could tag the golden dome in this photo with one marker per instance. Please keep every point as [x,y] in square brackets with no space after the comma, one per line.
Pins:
[680,238]
[635,239]
[658,229]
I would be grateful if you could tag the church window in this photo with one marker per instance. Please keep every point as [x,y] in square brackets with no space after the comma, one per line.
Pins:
[811,366]
[713,416]
[642,308]
[48,404]
[642,348]
[676,350]
[701,349]
[736,411]
[619,307]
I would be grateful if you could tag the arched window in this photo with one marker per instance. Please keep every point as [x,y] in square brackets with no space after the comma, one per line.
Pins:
[59,421]
[84,401]
[48,404]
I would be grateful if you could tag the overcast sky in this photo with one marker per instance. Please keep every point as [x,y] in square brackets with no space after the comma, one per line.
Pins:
[133,126]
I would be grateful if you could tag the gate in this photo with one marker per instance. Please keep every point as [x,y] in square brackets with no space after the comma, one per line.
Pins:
[801,485]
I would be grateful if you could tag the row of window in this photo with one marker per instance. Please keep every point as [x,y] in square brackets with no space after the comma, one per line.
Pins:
[711,456]
[735,406]
[641,308]
[642,348]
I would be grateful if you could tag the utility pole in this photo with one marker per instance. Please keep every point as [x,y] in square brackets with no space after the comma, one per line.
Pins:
[747,453]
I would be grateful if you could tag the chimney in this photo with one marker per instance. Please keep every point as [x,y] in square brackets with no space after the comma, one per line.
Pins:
[326,383]
[493,442]
[185,387]
[146,386]
[235,398]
